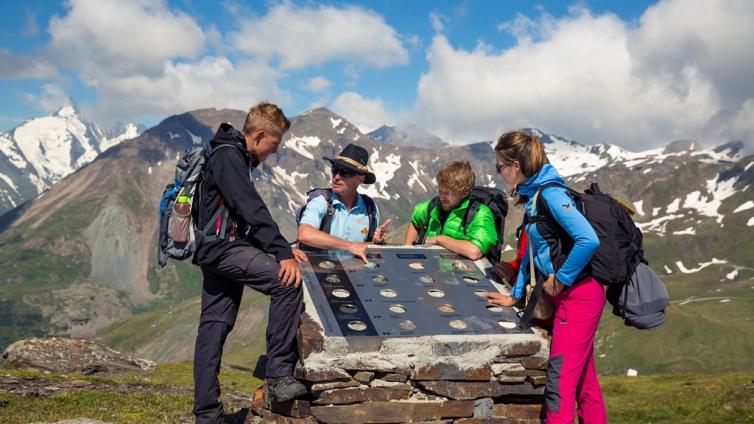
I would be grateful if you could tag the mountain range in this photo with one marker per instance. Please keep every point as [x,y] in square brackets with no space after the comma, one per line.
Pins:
[41,151]
[81,259]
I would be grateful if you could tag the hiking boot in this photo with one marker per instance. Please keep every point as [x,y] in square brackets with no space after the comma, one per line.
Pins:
[283,389]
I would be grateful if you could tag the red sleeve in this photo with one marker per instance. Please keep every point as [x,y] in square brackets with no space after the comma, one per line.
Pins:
[521,251]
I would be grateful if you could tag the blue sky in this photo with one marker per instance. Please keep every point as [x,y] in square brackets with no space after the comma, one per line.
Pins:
[636,73]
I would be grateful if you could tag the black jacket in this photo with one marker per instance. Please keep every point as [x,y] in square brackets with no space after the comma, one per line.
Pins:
[227,176]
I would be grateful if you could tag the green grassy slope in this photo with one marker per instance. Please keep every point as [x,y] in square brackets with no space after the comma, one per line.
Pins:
[168,334]
[708,328]
[683,398]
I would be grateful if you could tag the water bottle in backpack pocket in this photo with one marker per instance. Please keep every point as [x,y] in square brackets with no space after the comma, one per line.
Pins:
[180,227]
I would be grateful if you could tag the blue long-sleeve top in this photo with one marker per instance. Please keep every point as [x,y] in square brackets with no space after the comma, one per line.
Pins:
[563,210]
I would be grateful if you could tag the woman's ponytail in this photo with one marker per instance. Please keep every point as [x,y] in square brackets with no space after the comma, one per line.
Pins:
[523,147]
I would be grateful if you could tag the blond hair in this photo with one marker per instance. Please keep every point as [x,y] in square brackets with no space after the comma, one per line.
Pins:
[267,117]
[456,176]
[523,147]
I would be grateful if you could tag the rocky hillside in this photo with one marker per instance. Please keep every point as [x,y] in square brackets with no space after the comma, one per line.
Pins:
[41,151]
[83,255]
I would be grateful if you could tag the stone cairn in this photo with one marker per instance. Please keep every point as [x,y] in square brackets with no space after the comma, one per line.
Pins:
[438,379]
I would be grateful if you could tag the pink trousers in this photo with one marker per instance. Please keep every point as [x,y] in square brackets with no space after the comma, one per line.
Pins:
[571,376]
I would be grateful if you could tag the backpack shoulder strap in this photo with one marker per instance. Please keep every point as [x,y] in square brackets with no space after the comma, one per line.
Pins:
[218,147]
[326,223]
[423,231]
[471,211]
[372,214]
[541,205]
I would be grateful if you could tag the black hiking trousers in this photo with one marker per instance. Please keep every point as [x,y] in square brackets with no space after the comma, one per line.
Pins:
[222,290]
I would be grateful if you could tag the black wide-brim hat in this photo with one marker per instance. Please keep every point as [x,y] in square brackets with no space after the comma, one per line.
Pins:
[355,158]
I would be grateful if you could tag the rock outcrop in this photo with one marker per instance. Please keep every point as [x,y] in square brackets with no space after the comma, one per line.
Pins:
[62,354]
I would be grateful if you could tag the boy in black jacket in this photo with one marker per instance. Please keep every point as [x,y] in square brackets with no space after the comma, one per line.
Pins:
[237,253]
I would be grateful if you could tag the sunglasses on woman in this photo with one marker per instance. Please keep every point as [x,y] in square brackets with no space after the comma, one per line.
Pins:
[499,166]
[344,172]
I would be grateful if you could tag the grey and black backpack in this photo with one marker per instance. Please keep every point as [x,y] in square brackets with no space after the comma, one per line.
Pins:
[178,233]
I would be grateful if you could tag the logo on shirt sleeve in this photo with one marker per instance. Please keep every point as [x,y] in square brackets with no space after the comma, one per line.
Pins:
[364,231]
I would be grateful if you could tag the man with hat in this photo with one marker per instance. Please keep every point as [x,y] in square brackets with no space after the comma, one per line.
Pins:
[347,220]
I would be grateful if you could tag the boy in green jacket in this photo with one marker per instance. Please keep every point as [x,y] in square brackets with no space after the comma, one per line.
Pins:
[455,181]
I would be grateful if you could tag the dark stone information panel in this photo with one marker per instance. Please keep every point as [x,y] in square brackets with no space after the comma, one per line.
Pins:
[404,291]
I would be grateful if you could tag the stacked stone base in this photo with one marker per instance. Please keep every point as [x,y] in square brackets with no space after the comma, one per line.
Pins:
[507,389]
[410,402]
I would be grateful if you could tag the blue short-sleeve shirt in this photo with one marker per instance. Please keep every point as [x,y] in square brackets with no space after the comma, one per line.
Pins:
[348,225]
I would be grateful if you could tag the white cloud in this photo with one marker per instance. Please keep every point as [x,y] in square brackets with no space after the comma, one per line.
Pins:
[683,72]
[145,59]
[210,82]
[24,67]
[366,114]
[438,21]
[51,99]
[317,84]
[122,37]
[312,35]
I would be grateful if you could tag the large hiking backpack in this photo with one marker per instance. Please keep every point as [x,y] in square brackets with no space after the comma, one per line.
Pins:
[634,290]
[178,234]
[326,223]
[495,199]
[620,250]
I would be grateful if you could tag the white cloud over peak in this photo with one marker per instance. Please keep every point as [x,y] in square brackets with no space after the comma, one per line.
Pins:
[145,59]
[209,82]
[52,98]
[683,72]
[312,35]
[366,114]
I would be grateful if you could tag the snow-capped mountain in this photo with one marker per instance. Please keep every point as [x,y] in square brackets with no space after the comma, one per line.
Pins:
[41,151]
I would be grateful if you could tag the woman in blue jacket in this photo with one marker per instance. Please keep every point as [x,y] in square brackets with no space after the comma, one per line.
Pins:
[561,257]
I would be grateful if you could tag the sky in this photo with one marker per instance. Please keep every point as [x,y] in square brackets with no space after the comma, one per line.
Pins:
[637,73]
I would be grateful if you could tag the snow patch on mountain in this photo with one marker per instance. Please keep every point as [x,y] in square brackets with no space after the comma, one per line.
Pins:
[415,177]
[571,158]
[287,181]
[658,225]
[639,206]
[674,206]
[301,145]
[130,131]
[699,267]
[708,204]
[384,170]
[10,151]
[745,206]
[194,138]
